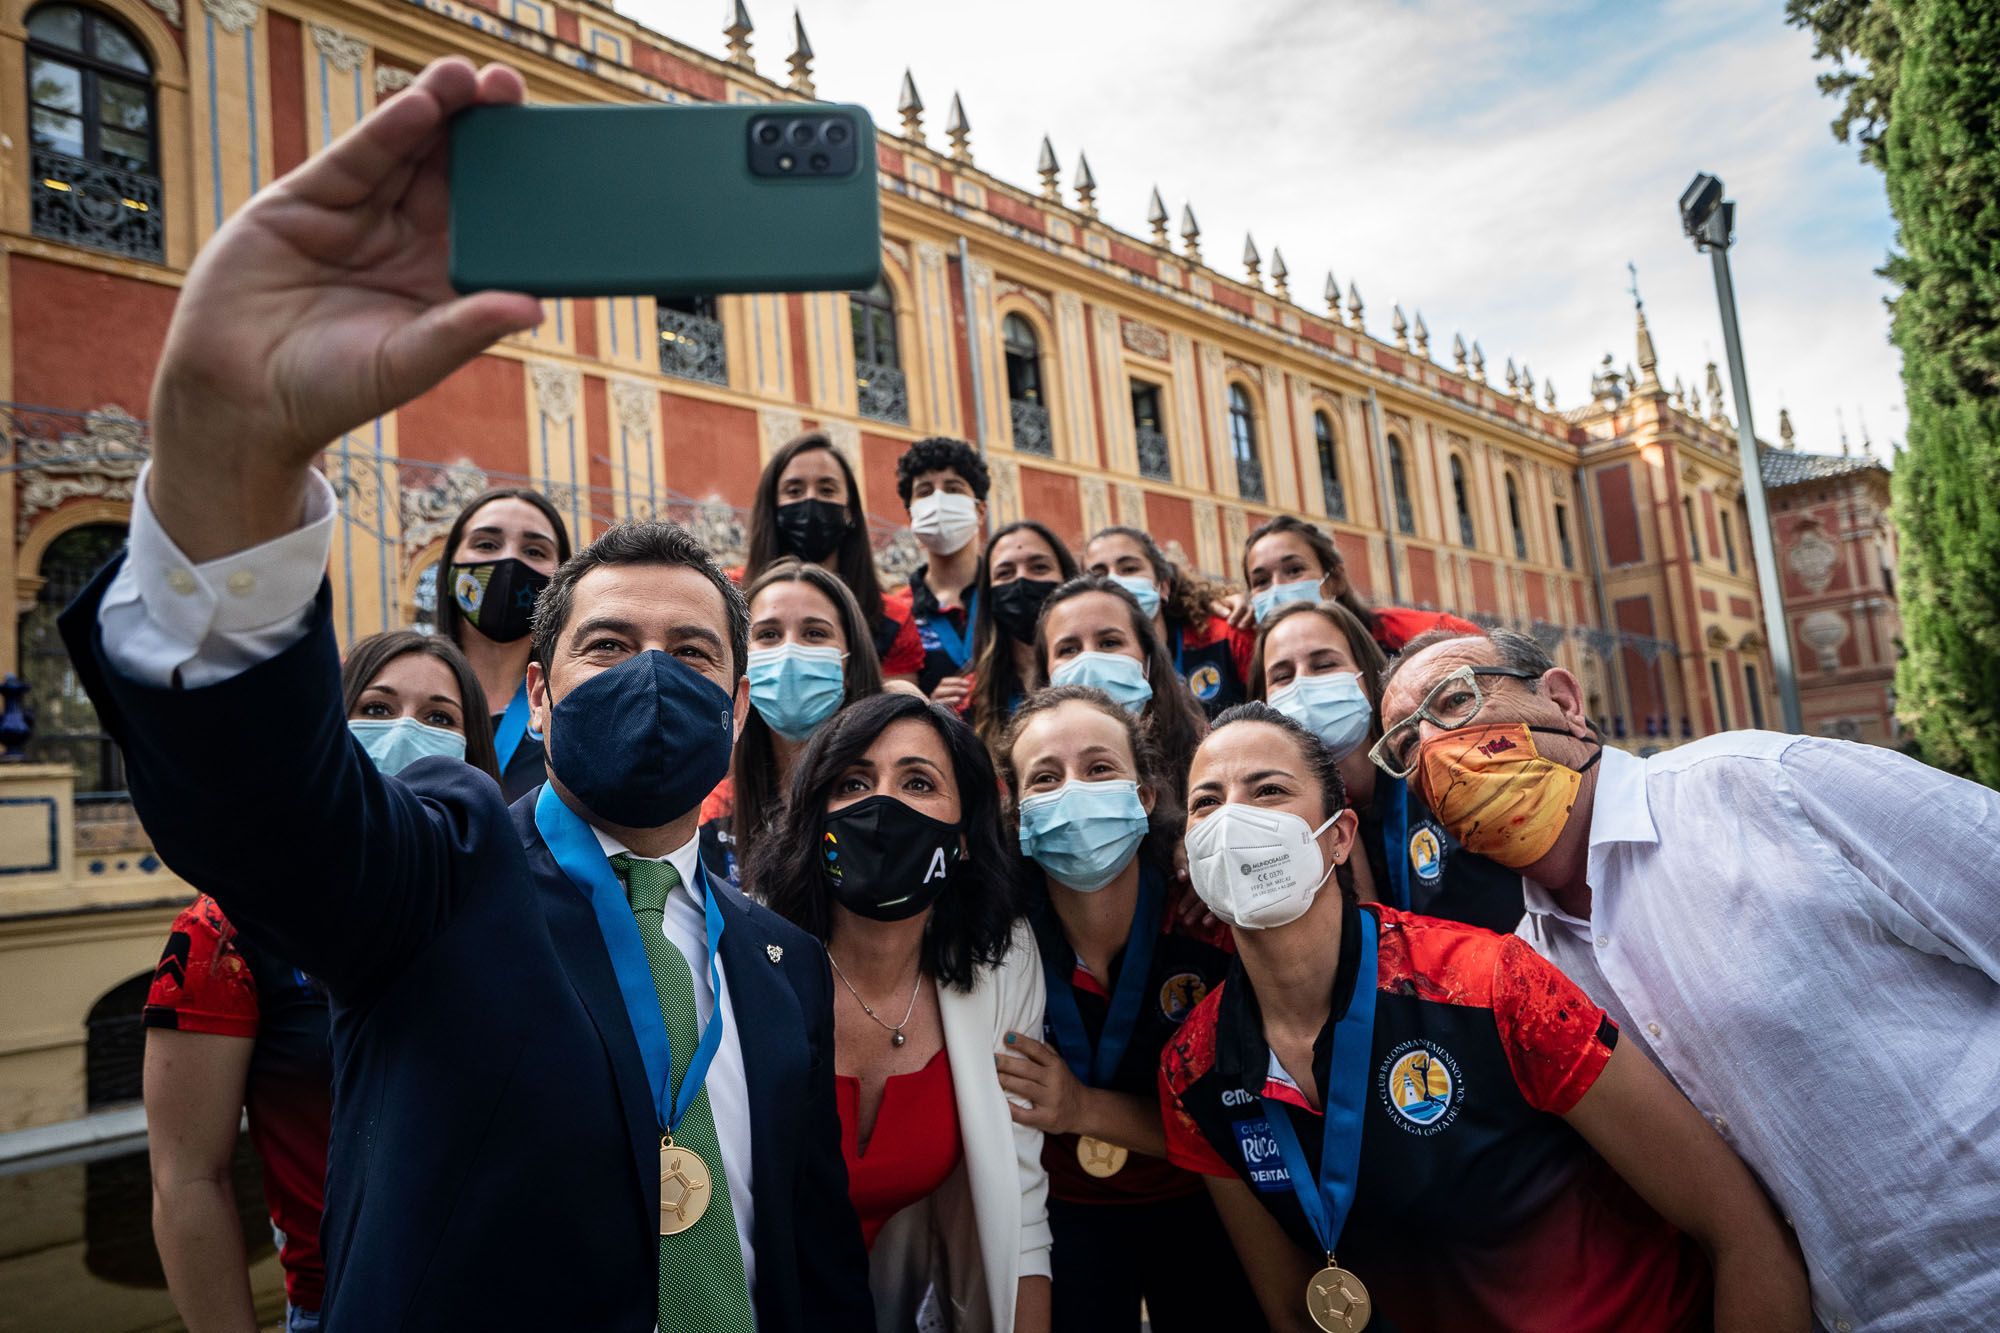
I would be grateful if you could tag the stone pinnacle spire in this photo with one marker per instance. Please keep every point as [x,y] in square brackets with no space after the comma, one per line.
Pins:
[1157,218]
[738,35]
[1086,188]
[959,130]
[1281,286]
[1190,234]
[1049,170]
[911,108]
[801,59]
[1252,263]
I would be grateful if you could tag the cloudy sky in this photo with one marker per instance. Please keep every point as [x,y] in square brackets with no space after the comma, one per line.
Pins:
[1494,165]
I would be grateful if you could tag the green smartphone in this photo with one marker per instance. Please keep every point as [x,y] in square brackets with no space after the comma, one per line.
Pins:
[664,200]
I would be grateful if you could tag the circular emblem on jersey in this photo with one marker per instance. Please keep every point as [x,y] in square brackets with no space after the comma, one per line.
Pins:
[1180,993]
[1206,682]
[1426,853]
[1420,1085]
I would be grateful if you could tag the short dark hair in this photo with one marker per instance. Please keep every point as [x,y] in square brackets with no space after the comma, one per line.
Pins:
[1175,720]
[853,558]
[1163,827]
[639,543]
[366,659]
[973,922]
[937,452]
[754,769]
[447,617]
[1514,649]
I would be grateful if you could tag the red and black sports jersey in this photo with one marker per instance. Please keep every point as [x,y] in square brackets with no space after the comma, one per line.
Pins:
[1213,659]
[1186,965]
[1477,1207]
[213,979]
[916,603]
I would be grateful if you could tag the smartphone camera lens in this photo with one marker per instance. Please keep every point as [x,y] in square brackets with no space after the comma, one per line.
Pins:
[786,161]
[835,133]
[769,134]
[819,161]
[802,132]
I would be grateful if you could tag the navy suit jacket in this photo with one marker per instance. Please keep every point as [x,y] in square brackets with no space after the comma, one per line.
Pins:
[495,1153]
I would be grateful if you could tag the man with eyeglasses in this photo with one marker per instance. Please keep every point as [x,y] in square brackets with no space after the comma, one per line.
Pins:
[1804,933]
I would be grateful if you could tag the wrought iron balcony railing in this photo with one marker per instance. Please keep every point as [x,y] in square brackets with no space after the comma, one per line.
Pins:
[691,347]
[1031,428]
[96,206]
[885,394]
[1156,460]
[1336,498]
[1249,479]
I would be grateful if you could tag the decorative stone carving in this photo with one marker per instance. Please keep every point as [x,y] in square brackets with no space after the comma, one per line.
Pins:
[633,402]
[389,79]
[1207,549]
[1824,632]
[233,15]
[897,251]
[556,389]
[1096,505]
[344,53]
[846,437]
[1034,298]
[1131,505]
[170,8]
[102,462]
[429,509]
[1241,367]
[1236,528]
[776,428]
[1812,558]
[1069,306]
[1144,339]
[1006,494]
[718,525]
[895,561]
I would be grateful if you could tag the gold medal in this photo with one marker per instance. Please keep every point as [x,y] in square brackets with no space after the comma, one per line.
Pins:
[1337,1301]
[1101,1159]
[684,1187]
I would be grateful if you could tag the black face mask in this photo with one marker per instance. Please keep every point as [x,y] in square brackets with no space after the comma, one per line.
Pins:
[1018,605]
[496,597]
[885,861]
[810,529]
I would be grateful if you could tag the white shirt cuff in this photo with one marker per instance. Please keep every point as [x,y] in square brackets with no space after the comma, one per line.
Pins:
[168,621]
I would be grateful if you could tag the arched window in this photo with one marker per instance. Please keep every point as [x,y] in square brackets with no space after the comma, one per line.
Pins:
[1399,482]
[1243,444]
[1029,411]
[95,166]
[67,730]
[1329,466]
[1463,502]
[878,362]
[1514,519]
[1562,537]
[1694,540]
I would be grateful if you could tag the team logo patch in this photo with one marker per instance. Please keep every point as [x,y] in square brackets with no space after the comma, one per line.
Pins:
[1420,1087]
[1180,994]
[1426,853]
[470,589]
[1261,1158]
[928,637]
[1206,682]
[829,853]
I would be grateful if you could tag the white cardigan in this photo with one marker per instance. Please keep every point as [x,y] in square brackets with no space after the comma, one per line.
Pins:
[957,1258]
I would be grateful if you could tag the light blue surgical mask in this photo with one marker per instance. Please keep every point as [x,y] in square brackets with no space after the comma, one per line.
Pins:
[1143,591]
[1083,833]
[794,687]
[1268,601]
[396,743]
[1117,675]
[1332,706]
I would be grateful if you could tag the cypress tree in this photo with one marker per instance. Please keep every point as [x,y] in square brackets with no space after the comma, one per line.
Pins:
[1941,159]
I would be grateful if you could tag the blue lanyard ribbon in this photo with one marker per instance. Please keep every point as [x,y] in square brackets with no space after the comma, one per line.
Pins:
[513,726]
[955,641]
[1395,799]
[1326,1202]
[577,851]
[1096,1067]
[1175,631]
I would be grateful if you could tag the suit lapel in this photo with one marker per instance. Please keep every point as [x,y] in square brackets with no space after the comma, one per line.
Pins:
[580,949]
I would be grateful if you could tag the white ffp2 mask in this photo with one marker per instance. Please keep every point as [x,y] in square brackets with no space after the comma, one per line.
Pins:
[1256,868]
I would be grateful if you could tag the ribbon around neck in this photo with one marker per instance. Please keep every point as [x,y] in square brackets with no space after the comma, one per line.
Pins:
[1096,1066]
[955,641]
[578,852]
[513,727]
[1327,1200]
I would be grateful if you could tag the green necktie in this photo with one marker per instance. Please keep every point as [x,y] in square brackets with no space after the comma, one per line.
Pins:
[702,1287]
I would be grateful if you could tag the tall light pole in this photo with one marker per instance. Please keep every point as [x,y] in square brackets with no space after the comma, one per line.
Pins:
[1710,220]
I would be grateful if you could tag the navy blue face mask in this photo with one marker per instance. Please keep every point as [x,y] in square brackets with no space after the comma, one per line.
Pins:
[642,743]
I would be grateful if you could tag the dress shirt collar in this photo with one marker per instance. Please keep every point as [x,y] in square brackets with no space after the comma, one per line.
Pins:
[682,858]
[1619,812]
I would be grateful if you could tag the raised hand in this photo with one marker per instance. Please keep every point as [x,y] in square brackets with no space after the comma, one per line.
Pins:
[321,305]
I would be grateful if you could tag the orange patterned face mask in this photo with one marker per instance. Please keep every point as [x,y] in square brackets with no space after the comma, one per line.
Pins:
[1496,793]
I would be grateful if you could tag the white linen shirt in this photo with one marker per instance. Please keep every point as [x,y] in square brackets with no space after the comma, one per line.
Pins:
[167,621]
[1805,934]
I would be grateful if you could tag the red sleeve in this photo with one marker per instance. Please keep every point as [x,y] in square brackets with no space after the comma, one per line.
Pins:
[1186,1147]
[1242,647]
[1446,620]
[906,654]
[719,803]
[1556,1040]
[202,983]
[1397,625]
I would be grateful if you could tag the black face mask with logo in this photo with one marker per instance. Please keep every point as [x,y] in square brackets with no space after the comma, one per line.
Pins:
[884,860]
[496,597]
[810,529]
[1018,605]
